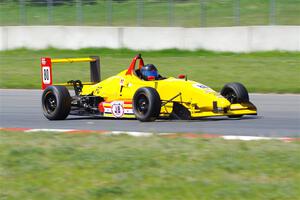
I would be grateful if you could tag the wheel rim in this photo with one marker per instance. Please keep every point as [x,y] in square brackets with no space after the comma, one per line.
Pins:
[50,103]
[231,96]
[142,104]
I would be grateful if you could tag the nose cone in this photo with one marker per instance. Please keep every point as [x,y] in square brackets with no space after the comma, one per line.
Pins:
[222,102]
[192,92]
[205,96]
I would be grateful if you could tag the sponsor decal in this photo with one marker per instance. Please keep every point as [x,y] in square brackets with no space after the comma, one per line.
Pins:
[122,81]
[128,111]
[201,86]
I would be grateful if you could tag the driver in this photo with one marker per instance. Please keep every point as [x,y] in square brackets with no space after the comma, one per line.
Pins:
[149,72]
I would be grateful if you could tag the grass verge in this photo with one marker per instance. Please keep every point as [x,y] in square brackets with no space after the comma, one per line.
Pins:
[261,72]
[90,166]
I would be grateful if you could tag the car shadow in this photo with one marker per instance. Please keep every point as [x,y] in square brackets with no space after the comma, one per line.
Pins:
[206,119]
[97,118]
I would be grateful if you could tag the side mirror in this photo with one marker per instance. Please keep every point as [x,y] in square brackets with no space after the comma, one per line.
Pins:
[181,76]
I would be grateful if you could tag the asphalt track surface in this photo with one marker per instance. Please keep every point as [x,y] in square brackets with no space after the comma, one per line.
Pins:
[278,116]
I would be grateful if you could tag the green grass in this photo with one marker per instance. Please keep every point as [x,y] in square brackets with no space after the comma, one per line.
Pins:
[277,72]
[156,13]
[89,166]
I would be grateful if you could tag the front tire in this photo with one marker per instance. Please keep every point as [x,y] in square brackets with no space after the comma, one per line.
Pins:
[56,102]
[146,104]
[235,93]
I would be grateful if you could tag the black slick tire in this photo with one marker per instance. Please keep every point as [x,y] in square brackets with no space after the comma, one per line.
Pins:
[180,112]
[146,104]
[235,93]
[56,102]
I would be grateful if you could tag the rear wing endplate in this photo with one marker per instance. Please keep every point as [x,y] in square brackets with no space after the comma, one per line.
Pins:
[46,68]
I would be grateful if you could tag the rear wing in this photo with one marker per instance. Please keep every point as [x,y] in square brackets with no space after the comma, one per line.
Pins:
[46,69]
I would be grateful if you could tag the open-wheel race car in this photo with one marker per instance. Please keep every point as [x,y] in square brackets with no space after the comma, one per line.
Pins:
[139,92]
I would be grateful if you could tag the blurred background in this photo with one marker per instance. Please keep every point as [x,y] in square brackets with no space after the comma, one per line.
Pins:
[31,29]
[162,13]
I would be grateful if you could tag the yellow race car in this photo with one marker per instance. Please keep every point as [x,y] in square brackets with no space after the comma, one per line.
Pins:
[139,92]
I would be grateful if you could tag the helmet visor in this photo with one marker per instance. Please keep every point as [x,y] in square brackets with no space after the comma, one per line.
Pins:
[150,73]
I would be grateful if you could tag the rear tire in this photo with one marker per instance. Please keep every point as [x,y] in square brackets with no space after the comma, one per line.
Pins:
[146,104]
[235,93]
[56,102]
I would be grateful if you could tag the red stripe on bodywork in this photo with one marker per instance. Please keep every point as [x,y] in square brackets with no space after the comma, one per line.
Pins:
[125,102]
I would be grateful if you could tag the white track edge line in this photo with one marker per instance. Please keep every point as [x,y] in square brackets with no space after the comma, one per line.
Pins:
[147,134]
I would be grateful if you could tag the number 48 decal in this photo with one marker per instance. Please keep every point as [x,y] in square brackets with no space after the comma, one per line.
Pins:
[46,75]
